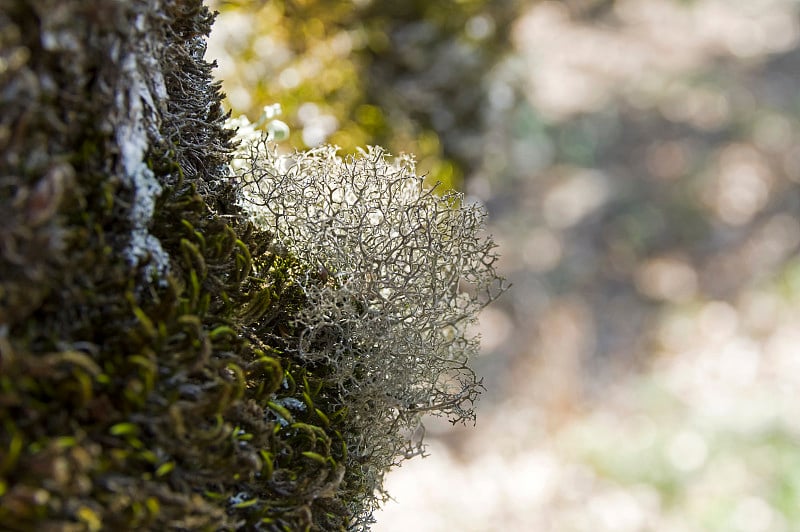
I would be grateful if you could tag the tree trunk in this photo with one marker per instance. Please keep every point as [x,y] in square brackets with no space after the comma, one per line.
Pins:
[130,395]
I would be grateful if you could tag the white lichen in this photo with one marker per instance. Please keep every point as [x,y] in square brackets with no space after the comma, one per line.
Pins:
[133,142]
[291,403]
[396,274]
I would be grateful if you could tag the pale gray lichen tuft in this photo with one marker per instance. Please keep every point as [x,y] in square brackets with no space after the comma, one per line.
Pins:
[398,273]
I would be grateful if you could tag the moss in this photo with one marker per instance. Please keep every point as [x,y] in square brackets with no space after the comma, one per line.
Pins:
[129,398]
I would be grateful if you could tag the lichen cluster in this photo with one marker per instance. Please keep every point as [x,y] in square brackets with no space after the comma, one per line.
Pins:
[397,273]
[156,367]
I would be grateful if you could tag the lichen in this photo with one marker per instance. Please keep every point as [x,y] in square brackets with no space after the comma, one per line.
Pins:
[132,105]
[397,274]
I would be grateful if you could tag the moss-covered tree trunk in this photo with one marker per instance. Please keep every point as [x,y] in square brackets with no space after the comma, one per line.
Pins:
[133,391]
[164,365]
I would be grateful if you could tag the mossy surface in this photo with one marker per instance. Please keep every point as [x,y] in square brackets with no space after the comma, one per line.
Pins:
[136,394]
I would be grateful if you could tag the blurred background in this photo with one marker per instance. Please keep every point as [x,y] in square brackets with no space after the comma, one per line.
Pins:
[640,162]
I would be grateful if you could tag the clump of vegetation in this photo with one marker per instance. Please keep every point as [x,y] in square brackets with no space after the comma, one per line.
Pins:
[166,363]
[397,273]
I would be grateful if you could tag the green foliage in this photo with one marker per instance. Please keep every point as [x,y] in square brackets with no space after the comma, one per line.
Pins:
[406,75]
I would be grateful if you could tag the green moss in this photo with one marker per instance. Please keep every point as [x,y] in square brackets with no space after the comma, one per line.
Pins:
[129,401]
